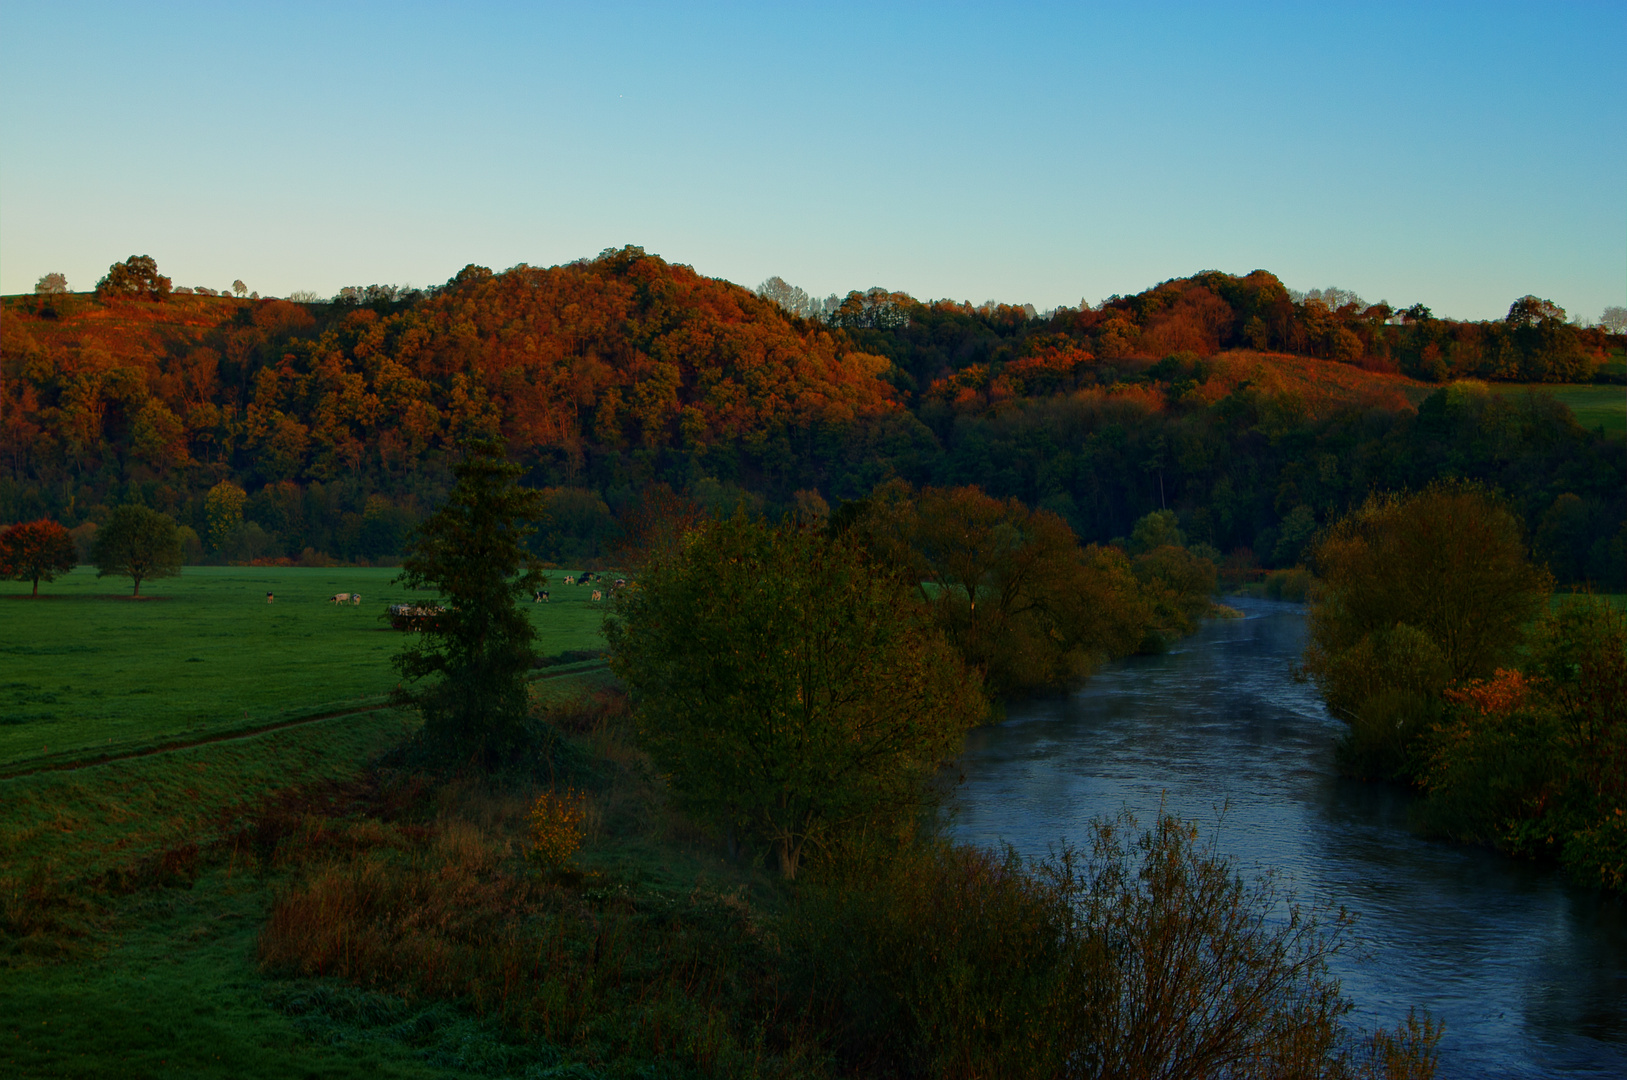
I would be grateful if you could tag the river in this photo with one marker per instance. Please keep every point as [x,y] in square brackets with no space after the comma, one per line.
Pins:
[1528,972]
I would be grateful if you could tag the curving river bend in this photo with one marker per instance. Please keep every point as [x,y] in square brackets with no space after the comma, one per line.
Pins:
[1528,972]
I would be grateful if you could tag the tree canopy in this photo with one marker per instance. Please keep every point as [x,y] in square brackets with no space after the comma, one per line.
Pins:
[138,543]
[1419,592]
[1226,399]
[789,685]
[36,550]
[136,276]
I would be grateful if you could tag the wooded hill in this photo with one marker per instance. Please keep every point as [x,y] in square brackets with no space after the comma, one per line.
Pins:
[1254,413]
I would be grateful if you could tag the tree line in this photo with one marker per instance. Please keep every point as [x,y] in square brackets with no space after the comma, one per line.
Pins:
[607,376]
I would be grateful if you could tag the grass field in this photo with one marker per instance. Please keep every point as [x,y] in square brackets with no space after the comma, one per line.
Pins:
[1594,406]
[85,670]
[133,891]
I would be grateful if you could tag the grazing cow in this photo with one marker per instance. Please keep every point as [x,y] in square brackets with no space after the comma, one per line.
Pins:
[339,598]
[270,598]
[356,598]
[541,597]
[597,595]
[570,581]
[621,581]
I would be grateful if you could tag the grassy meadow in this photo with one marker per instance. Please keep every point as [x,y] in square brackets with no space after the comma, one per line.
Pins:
[135,890]
[1593,406]
[86,670]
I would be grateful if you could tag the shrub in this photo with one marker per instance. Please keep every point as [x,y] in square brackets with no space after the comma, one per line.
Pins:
[684,984]
[1145,956]
[556,827]
[1292,586]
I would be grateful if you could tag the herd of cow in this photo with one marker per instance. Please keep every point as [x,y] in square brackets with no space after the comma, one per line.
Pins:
[541,596]
[588,577]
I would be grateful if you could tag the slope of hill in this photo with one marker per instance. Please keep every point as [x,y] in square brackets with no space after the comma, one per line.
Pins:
[1256,415]
[623,351]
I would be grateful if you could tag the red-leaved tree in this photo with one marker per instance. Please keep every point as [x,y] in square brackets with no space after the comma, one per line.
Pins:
[35,550]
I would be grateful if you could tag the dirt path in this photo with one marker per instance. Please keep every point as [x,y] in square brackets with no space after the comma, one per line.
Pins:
[235,733]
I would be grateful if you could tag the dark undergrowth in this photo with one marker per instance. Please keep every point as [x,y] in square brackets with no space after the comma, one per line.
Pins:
[391,923]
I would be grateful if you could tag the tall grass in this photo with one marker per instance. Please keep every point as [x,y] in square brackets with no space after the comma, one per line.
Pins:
[583,962]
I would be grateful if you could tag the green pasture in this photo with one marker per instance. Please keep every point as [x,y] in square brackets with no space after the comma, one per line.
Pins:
[86,670]
[172,989]
[1593,406]
[159,977]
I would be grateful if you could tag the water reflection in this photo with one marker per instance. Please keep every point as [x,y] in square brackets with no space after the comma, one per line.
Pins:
[1529,973]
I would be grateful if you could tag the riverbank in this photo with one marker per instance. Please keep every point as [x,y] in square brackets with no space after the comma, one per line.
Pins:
[1521,966]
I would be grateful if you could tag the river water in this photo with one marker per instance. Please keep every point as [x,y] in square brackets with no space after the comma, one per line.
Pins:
[1528,972]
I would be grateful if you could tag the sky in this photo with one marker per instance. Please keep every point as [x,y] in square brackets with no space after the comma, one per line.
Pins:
[1457,155]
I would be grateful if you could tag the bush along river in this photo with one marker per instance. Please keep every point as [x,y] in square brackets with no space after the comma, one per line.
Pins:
[1528,972]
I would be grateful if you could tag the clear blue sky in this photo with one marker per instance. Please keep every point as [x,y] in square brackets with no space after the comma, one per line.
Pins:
[1459,155]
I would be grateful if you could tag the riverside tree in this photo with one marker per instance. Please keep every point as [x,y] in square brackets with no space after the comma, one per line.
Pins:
[1009,586]
[789,685]
[475,653]
[36,550]
[1419,592]
[138,543]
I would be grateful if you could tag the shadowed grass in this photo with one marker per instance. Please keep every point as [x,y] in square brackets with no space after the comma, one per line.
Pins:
[1593,406]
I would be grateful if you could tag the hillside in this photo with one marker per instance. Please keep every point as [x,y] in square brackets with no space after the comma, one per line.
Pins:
[1256,414]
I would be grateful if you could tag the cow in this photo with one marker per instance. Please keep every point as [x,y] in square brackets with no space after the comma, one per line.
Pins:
[339,598]
[597,595]
[356,599]
[570,581]
[621,582]
[541,597]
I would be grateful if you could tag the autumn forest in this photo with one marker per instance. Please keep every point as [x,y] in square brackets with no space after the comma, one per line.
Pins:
[1257,414]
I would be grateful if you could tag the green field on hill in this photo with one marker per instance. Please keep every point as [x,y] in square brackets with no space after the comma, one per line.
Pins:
[1593,406]
[85,670]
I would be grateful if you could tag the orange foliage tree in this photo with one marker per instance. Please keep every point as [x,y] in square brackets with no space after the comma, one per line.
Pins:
[36,550]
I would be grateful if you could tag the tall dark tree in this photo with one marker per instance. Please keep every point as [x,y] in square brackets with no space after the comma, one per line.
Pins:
[476,652]
[137,543]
